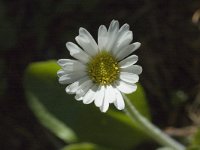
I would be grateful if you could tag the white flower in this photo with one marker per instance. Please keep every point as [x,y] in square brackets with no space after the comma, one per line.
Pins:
[103,71]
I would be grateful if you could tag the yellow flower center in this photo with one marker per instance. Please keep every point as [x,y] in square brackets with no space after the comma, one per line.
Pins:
[103,68]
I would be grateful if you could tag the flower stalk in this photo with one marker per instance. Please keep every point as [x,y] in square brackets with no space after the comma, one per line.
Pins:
[149,128]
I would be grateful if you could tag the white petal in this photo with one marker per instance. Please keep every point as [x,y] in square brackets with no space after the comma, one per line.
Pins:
[123,42]
[109,97]
[78,97]
[124,28]
[62,62]
[123,31]
[128,61]
[71,77]
[129,77]
[72,66]
[126,87]
[127,50]
[86,41]
[72,88]
[125,39]
[119,103]
[102,37]
[99,96]
[112,34]
[105,105]
[111,91]
[83,89]
[61,72]
[136,69]
[90,95]
[77,52]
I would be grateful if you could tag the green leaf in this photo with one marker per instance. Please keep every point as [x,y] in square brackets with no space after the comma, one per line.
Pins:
[138,99]
[51,122]
[194,147]
[83,123]
[195,142]
[196,139]
[83,146]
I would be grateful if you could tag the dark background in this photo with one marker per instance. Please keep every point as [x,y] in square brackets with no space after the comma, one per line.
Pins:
[33,30]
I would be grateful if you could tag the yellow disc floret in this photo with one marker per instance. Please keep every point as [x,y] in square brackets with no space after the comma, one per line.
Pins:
[103,68]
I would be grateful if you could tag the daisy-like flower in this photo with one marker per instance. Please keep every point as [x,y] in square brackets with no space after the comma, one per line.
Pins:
[101,72]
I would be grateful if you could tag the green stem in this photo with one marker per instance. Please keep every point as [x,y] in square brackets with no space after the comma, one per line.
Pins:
[153,131]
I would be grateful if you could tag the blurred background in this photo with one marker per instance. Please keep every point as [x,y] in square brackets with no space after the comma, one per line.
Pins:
[38,30]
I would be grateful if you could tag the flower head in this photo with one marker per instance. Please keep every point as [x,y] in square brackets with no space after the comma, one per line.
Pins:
[101,72]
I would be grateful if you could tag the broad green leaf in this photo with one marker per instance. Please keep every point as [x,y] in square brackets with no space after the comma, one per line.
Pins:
[195,142]
[49,121]
[83,123]
[196,139]
[139,101]
[83,146]
[194,148]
